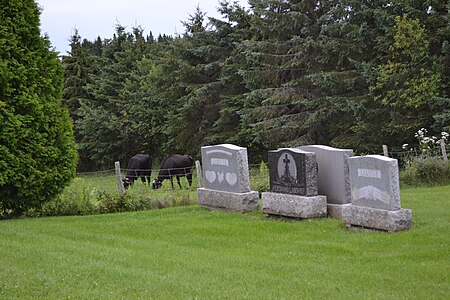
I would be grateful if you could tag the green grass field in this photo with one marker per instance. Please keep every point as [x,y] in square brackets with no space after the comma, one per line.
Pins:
[193,253]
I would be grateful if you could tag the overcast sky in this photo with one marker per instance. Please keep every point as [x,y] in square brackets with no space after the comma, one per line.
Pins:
[95,18]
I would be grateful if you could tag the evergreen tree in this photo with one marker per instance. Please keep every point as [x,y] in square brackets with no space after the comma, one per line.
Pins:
[409,80]
[199,56]
[107,116]
[37,149]
[152,90]
[212,87]
[100,111]
[79,66]
[292,66]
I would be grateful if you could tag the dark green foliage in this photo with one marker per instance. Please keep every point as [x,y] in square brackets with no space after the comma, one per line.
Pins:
[345,73]
[79,67]
[107,112]
[37,149]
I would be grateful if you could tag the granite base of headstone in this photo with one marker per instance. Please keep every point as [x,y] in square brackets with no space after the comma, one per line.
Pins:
[375,193]
[226,179]
[294,206]
[380,219]
[333,176]
[243,202]
[293,185]
[335,210]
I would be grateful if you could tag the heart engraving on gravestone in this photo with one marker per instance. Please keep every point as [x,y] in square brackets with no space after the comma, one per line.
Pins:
[231,178]
[210,176]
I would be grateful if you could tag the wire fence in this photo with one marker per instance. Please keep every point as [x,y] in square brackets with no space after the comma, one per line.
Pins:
[259,174]
[106,179]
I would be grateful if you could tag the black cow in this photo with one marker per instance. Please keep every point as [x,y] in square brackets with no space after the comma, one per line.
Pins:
[139,165]
[175,165]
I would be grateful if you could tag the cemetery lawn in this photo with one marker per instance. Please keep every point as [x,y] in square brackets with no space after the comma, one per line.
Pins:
[192,253]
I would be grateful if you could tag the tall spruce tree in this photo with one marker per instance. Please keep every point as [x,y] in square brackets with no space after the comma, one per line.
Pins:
[153,89]
[200,56]
[287,66]
[37,149]
[79,66]
[231,30]
[100,112]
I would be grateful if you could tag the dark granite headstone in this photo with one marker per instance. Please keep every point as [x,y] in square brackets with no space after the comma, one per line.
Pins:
[293,171]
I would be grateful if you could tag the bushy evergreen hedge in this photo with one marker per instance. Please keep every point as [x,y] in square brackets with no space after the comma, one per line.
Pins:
[37,149]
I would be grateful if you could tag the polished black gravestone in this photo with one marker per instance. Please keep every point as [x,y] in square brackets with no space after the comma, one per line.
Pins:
[293,185]
[293,171]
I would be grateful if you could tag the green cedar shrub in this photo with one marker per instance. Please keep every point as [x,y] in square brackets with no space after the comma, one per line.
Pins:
[37,149]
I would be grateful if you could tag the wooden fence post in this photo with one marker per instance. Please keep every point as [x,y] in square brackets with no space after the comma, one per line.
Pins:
[198,167]
[118,177]
[443,151]
[385,151]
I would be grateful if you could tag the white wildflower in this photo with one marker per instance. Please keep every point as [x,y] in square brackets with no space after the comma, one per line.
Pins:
[404,146]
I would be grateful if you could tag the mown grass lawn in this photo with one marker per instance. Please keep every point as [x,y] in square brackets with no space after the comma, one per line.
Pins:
[192,253]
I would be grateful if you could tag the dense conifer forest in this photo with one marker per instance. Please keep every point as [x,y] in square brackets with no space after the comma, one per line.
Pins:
[278,73]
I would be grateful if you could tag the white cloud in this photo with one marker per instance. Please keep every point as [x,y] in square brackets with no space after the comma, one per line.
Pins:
[98,17]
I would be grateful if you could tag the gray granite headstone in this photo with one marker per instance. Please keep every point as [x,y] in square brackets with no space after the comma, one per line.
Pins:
[374,182]
[375,195]
[226,179]
[333,173]
[293,171]
[225,168]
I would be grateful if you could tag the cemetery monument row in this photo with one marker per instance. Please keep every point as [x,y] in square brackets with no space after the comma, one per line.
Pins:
[226,179]
[375,193]
[293,185]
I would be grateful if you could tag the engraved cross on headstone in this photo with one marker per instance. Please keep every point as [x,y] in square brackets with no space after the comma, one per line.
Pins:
[287,173]
[286,161]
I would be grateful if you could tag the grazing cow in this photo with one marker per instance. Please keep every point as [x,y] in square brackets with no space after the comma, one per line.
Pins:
[139,165]
[175,165]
